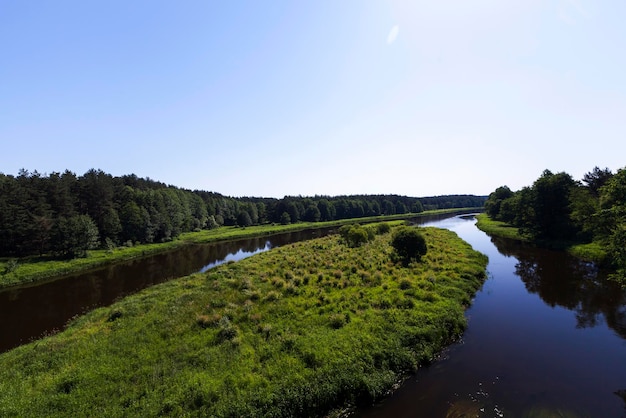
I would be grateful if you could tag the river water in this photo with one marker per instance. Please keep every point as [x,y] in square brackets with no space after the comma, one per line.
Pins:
[546,338]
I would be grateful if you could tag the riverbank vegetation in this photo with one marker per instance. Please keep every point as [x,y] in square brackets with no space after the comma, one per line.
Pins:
[65,215]
[295,331]
[587,217]
[14,272]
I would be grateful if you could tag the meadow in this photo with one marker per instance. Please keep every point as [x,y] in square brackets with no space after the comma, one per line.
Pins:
[296,331]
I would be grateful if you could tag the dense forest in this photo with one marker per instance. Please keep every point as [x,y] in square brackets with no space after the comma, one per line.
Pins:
[66,214]
[557,208]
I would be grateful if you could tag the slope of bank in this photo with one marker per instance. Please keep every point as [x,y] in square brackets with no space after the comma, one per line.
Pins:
[15,272]
[295,331]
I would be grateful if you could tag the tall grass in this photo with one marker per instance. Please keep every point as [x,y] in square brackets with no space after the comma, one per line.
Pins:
[295,331]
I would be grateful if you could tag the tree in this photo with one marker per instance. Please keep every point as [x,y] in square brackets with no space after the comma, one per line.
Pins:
[596,179]
[409,244]
[312,213]
[612,217]
[294,213]
[417,207]
[243,218]
[584,207]
[75,235]
[327,210]
[388,208]
[285,219]
[262,212]
[551,206]
[495,199]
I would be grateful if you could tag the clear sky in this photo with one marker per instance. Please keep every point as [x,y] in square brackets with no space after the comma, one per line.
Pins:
[274,98]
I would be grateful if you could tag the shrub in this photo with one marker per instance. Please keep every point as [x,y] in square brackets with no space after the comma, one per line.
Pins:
[382,228]
[409,244]
[354,235]
[338,320]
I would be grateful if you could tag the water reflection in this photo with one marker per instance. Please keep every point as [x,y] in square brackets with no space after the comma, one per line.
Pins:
[239,255]
[562,280]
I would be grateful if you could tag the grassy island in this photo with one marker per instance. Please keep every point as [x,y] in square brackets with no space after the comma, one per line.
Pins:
[296,331]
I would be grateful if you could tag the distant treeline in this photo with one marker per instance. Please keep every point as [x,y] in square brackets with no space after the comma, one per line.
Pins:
[558,208]
[63,213]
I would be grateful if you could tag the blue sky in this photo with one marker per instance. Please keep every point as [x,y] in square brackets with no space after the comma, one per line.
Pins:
[325,97]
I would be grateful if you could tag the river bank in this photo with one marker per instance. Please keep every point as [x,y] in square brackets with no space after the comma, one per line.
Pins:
[294,331]
[592,252]
[15,272]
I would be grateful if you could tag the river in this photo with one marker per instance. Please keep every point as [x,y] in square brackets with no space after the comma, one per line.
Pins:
[546,338]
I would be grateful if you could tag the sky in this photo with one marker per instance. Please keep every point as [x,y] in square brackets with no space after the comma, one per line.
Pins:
[325,97]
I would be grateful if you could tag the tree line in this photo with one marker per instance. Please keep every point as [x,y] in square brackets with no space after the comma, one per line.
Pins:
[66,214]
[558,208]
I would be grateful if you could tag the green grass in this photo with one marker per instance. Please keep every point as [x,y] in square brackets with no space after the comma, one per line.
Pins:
[35,269]
[498,228]
[295,331]
[589,252]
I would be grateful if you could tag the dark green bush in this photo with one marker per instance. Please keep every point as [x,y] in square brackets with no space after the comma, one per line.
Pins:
[409,244]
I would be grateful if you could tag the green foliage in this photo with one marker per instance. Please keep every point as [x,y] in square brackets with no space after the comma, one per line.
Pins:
[382,228]
[589,218]
[409,244]
[596,179]
[76,235]
[243,219]
[203,346]
[494,201]
[285,219]
[354,235]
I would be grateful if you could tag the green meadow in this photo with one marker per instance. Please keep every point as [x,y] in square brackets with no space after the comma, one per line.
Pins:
[296,331]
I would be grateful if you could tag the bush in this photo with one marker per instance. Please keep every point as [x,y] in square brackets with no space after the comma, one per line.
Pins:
[409,244]
[382,228]
[354,235]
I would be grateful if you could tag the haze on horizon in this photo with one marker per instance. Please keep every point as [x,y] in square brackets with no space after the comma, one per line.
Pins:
[246,98]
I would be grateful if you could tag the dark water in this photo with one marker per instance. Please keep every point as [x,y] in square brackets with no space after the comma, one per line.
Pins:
[29,312]
[546,338]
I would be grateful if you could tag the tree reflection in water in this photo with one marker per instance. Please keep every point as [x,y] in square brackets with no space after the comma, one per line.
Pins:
[562,280]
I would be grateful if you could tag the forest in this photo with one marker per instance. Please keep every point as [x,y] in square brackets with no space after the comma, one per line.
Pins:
[65,215]
[558,210]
